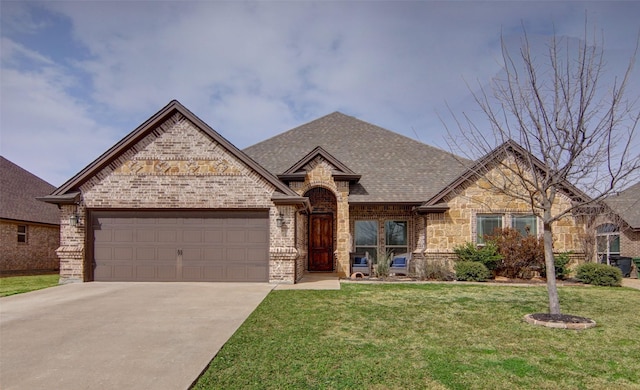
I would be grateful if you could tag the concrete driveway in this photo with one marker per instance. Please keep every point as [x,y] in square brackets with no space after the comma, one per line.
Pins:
[119,335]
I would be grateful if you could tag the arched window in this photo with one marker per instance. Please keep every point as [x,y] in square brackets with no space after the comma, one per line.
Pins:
[608,241]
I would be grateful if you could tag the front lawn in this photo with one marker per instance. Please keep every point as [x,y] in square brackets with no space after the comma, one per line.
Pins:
[20,284]
[431,336]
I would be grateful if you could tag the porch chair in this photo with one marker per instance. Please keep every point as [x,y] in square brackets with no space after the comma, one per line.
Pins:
[360,262]
[400,264]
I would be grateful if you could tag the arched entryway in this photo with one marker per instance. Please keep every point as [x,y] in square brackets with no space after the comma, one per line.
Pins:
[322,231]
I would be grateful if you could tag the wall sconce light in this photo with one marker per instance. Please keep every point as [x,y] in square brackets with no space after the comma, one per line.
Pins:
[280,220]
[74,220]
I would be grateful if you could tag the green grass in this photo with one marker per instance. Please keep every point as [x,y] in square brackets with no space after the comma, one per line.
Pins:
[21,284]
[431,336]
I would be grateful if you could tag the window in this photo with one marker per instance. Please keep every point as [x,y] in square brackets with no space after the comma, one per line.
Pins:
[608,242]
[22,233]
[527,225]
[395,233]
[486,224]
[366,238]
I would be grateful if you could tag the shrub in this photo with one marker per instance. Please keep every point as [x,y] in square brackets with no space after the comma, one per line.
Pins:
[486,254]
[599,274]
[519,254]
[472,271]
[561,261]
[435,270]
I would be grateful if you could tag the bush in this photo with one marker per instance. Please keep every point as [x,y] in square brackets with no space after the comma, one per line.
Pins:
[519,254]
[435,270]
[486,254]
[599,274]
[561,261]
[472,271]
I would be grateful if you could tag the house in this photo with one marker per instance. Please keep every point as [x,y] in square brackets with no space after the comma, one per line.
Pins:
[29,229]
[618,232]
[174,200]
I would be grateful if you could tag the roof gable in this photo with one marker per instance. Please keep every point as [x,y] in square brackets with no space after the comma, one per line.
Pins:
[494,157]
[64,193]
[318,155]
[626,205]
[18,192]
[393,168]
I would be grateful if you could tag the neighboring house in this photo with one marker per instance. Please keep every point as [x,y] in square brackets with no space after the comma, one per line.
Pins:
[29,229]
[618,233]
[174,200]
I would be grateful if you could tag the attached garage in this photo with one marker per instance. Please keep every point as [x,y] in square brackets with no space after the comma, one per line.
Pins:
[214,246]
[175,201]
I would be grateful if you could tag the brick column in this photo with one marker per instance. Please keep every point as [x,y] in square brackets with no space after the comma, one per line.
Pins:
[71,251]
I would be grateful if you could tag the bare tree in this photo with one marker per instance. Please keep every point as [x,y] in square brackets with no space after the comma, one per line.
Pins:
[560,131]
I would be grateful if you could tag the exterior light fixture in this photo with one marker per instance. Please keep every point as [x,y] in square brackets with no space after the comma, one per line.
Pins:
[74,220]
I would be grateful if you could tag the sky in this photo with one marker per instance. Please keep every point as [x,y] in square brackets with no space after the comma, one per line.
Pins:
[78,76]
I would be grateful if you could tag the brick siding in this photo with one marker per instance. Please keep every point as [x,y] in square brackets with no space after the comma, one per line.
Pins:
[38,253]
[177,166]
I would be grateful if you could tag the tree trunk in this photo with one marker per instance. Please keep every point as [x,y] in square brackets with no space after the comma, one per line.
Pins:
[549,261]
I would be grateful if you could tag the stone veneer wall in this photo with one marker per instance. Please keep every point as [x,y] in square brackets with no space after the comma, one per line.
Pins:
[38,253]
[320,175]
[458,225]
[177,166]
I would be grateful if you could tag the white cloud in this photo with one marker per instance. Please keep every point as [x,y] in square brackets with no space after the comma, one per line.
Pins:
[43,130]
[254,69]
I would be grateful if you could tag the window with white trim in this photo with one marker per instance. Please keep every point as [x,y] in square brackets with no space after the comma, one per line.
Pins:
[22,233]
[608,242]
[366,238]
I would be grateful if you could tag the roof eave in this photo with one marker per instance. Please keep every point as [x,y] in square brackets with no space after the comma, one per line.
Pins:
[385,203]
[433,209]
[68,198]
[300,201]
[352,178]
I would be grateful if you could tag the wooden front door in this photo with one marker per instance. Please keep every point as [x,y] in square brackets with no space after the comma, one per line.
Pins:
[321,242]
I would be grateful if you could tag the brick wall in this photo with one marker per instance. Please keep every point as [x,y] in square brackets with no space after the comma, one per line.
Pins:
[38,253]
[630,243]
[178,166]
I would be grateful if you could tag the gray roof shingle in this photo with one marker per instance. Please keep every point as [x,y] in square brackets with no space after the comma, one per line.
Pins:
[627,205]
[394,168]
[18,191]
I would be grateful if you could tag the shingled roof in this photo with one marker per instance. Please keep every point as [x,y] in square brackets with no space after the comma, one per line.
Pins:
[627,205]
[393,168]
[18,191]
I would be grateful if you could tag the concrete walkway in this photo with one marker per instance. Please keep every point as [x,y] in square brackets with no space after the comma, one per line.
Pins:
[119,335]
[630,282]
[314,281]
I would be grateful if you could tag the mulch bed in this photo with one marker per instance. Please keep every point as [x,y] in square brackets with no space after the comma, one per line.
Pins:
[560,321]
[566,318]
